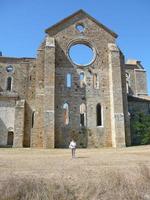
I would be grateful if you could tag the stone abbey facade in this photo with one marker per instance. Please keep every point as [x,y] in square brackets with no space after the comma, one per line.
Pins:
[47,100]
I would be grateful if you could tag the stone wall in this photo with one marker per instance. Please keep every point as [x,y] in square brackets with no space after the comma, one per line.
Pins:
[22,87]
[19,123]
[91,135]
[7,118]
[141,82]
[137,106]
[137,80]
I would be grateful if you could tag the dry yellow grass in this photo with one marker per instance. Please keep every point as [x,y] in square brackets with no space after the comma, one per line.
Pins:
[96,174]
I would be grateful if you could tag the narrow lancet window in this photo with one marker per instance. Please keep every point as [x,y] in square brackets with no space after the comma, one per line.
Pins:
[82,114]
[99,114]
[66,113]
[69,80]
[128,82]
[127,86]
[82,80]
[95,81]
[9,83]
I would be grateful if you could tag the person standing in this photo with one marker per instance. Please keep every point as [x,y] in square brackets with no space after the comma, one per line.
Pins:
[72,146]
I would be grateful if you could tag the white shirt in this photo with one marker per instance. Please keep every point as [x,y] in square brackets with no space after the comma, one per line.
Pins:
[72,145]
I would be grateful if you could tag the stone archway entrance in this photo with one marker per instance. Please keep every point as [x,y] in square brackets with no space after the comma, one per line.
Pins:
[10,138]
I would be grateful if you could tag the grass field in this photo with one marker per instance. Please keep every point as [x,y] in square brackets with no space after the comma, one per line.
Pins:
[95,174]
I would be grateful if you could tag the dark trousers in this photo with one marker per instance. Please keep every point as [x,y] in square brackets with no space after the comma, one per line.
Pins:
[73,152]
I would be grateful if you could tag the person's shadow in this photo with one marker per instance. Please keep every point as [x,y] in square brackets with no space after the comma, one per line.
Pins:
[79,157]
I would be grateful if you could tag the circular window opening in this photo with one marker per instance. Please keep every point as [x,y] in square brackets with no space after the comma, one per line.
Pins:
[9,68]
[81,54]
[80,28]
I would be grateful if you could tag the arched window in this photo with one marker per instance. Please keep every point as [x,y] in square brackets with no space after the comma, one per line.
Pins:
[127,82]
[66,113]
[127,86]
[95,81]
[69,80]
[9,83]
[99,114]
[82,79]
[82,114]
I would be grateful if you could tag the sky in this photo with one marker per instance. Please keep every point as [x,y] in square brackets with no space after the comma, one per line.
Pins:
[23,23]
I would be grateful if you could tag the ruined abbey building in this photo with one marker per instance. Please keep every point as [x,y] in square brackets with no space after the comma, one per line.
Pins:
[46,101]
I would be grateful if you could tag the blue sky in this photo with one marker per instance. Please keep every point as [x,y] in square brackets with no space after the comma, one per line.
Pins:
[23,23]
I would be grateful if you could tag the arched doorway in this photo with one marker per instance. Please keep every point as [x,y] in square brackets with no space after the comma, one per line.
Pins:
[10,138]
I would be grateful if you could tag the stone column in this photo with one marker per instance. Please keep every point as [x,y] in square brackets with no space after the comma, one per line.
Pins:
[125,102]
[116,97]
[19,124]
[37,132]
[49,93]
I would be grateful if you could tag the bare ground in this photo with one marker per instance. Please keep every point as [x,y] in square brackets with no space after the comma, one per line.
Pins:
[94,174]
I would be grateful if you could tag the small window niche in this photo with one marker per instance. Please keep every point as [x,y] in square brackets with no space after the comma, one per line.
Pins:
[66,113]
[69,80]
[82,80]
[82,115]
[99,114]
[95,81]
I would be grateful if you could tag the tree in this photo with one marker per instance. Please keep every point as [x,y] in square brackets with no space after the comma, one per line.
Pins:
[140,128]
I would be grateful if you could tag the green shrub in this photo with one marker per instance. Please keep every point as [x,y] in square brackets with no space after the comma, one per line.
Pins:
[140,128]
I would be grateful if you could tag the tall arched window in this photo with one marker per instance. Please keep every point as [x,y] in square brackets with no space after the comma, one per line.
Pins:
[127,86]
[69,80]
[95,81]
[99,114]
[82,79]
[66,113]
[127,82]
[82,114]
[9,83]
